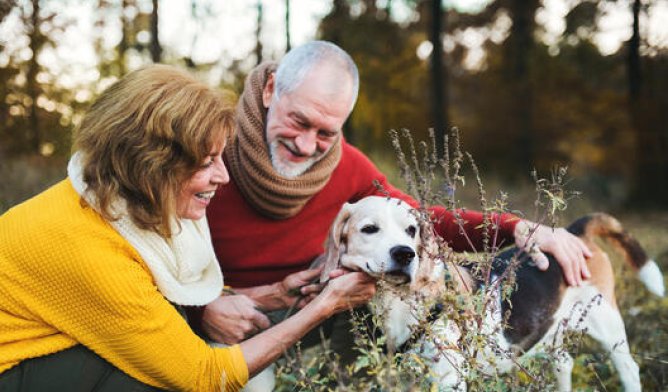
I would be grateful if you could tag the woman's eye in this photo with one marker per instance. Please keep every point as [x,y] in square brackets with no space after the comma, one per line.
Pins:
[370,229]
[411,230]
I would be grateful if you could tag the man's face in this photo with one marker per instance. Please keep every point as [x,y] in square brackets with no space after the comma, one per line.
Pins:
[304,124]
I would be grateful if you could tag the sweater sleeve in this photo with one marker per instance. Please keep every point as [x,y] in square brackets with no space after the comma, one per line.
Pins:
[461,229]
[92,286]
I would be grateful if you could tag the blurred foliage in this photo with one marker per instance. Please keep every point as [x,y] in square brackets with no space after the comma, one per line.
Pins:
[524,104]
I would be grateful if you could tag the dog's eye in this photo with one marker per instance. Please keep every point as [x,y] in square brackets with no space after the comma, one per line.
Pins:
[370,229]
[411,230]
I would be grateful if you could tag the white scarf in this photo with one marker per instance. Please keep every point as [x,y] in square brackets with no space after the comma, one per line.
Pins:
[184,267]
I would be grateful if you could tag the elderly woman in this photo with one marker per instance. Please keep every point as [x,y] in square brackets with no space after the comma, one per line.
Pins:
[94,269]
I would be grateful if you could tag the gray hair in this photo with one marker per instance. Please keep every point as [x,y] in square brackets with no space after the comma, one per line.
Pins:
[298,62]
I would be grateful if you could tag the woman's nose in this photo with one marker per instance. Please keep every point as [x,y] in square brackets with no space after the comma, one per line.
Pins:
[220,173]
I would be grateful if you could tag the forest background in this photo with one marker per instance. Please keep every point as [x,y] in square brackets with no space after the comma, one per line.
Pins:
[522,96]
[527,90]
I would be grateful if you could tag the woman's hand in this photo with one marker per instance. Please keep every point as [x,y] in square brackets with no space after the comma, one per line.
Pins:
[231,319]
[344,290]
[347,290]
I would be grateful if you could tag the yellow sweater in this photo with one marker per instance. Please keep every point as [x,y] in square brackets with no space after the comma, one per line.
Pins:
[67,277]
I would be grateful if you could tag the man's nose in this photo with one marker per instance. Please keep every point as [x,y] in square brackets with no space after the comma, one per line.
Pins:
[306,142]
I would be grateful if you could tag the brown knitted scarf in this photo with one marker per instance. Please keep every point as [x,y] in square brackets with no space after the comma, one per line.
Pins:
[271,194]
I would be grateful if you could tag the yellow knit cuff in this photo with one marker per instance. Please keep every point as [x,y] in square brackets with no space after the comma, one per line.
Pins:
[236,369]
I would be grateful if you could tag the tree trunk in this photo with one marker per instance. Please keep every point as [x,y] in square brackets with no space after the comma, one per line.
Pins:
[634,54]
[649,185]
[288,44]
[5,8]
[258,32]
[31,75]
[156,49]
[517,57]
[125,34]
[439,110]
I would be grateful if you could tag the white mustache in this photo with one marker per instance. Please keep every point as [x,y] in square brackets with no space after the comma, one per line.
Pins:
[290,145]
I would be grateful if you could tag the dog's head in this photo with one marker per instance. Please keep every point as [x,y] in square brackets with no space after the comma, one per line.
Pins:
[376,235]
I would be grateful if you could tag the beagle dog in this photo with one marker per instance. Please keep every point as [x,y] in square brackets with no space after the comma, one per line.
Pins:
[383,237]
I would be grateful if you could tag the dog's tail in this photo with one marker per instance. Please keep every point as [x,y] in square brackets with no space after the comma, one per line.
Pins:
[605,226]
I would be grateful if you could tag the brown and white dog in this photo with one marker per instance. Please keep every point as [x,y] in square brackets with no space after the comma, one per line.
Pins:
[381,236]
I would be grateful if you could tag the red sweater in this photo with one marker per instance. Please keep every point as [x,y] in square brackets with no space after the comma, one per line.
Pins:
[255,250]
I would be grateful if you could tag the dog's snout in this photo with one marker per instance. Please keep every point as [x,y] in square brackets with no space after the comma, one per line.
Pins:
[402,254]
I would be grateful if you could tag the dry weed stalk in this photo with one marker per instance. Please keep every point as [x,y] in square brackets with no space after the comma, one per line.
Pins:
[434,181]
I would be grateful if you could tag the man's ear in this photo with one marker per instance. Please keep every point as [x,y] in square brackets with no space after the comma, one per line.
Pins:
[268,90]
[335,241]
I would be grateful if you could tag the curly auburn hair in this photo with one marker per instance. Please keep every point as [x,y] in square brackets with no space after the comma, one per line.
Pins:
[145,136]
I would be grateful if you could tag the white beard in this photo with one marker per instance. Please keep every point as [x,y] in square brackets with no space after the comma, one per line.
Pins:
[290,169]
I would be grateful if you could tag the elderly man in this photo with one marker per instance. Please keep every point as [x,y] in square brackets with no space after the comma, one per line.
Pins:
[291,171]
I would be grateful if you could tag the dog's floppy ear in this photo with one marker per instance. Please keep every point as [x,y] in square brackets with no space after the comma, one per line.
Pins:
[335,241]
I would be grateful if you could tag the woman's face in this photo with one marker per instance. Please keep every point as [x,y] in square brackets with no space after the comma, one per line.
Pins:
[198,190]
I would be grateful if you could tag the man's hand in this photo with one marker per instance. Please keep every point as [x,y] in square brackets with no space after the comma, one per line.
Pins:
[569,250]
[231,319]
[299,288]
[295,289]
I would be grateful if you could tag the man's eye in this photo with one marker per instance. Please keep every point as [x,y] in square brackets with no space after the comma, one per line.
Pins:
[370,229]
[411,230]
[301,124]
[326,134]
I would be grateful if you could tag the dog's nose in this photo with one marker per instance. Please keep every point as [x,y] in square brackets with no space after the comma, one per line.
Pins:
[402,254]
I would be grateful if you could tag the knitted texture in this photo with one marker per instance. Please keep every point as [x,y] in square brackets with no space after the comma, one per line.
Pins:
[184,266]
[67,277]
[271,194]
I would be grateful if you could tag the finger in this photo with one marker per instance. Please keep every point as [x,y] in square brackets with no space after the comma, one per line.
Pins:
[359,277]
[311,289]
[576,268]
[310,274]
[583,247]
[261,321]
[212,334]
[541,261]
[219,338]
[337,272]
[364,295]
[585,253]
[585,268]
[246,330]
[244,302]
[568,266]
[582,270]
